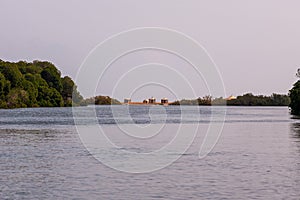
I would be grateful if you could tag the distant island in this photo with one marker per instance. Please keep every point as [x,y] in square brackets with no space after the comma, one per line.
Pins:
[40,84]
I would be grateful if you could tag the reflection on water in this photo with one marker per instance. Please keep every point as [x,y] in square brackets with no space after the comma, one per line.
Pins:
[295,127]
[257,157]
[295,136]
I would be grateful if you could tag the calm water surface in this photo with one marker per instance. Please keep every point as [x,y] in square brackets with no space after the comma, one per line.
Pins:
[256,157]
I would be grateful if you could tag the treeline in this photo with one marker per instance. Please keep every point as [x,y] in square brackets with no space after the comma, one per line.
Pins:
[206,100]
[36,84]
[39,84]
[260,100]
[245,100]
[101,100]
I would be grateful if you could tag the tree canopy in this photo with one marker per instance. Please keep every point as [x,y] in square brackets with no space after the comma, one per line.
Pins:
[295,99]
[35,84]
[245,100]
[260,100]
[102,100]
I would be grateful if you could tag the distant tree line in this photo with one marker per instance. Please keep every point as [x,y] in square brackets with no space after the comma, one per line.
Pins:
[102,100]
[206,100]
[244,100]
[39,84]
[260,100]
[35,84]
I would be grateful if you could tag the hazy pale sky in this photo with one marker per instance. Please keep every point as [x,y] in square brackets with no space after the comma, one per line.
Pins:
[255,44]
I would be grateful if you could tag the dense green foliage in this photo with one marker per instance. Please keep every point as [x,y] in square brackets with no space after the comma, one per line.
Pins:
[102,100]
[295,99]
[245,100]
[206,100]
[36,84]
[260,100]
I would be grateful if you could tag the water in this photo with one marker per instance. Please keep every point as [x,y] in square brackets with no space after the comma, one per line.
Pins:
[256,157]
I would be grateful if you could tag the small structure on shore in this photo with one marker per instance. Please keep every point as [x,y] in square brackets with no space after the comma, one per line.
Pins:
[231,98]
[152,100]
[146,101]
[127,101]
[164,101]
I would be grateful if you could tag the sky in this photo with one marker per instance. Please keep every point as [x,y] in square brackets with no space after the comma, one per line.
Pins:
[254,44]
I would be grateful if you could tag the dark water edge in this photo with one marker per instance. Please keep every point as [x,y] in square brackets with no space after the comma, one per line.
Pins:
[257,157]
